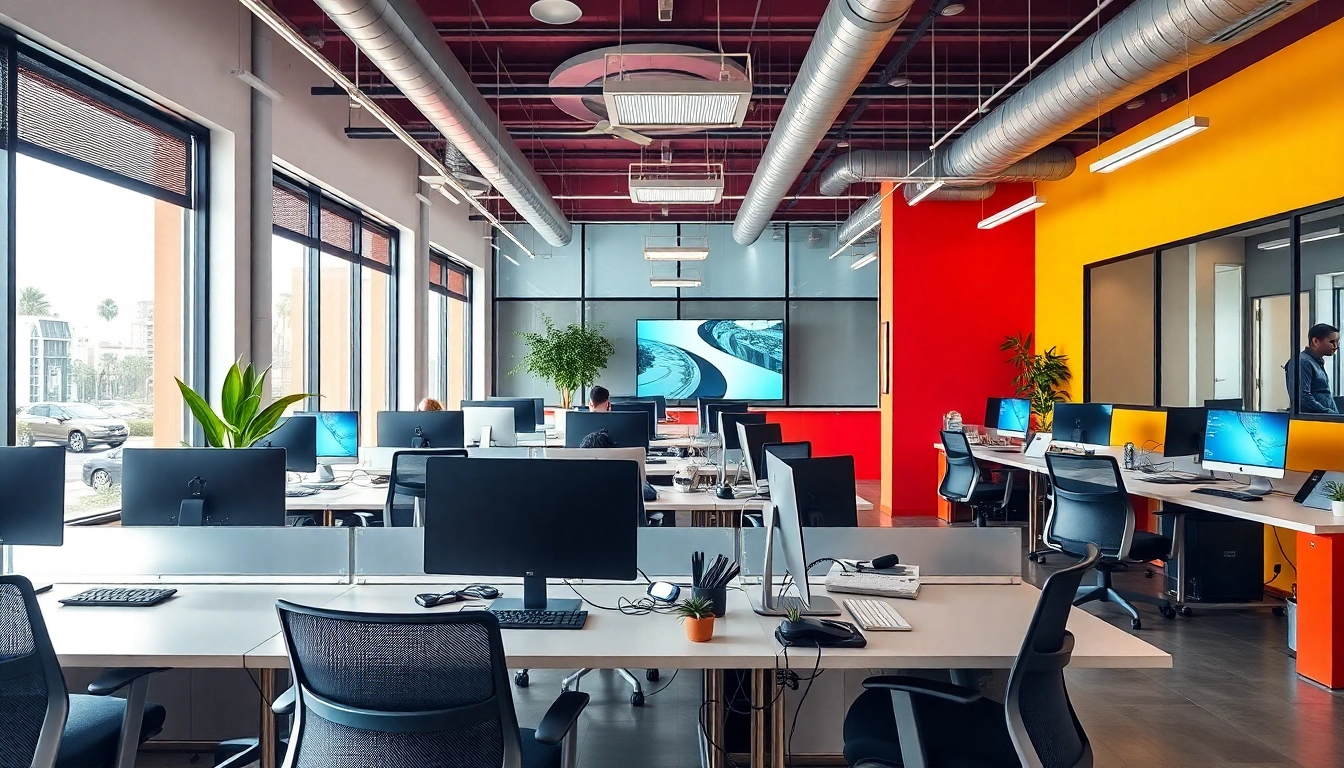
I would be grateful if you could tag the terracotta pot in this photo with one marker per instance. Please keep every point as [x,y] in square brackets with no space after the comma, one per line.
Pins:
[699,630]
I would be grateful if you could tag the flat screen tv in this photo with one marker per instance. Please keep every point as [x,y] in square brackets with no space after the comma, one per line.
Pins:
[689,359]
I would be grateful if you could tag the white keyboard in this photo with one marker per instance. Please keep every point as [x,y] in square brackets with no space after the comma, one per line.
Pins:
[875,615]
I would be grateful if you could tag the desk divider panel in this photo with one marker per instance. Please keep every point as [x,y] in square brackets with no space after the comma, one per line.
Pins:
[937,551]
[314,555]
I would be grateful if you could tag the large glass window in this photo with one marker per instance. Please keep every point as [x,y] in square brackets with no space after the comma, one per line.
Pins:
[449,332]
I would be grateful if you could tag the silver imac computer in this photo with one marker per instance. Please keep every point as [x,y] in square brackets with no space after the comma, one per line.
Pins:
[1247,443]
[783,522]
[489,426]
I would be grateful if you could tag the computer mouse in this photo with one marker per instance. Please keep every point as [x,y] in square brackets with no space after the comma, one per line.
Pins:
[726,492]
[480,591]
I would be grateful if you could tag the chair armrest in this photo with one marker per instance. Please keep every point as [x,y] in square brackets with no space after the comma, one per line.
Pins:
[113,680]
[561,717]
[284,703]
[918,685]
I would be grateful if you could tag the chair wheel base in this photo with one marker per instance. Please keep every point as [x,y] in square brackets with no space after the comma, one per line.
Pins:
[1167,612]
[636,699]
[1136,624]
[651,675]
[521,679]
[1186,610]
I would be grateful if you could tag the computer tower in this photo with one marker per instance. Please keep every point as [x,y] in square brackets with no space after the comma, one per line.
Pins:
[1224,559]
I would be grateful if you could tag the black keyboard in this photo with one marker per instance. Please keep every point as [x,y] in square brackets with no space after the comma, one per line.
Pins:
[541,619]
[1170,480]
[1226,494]
[140,598]
[297,490]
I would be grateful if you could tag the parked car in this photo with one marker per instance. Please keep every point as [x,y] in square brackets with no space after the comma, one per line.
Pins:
[76,425]
[121,409]
[102,472]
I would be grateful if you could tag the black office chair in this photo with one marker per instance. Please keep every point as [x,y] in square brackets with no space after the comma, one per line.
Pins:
[42,726]
[966,483]
[412,690]
[918,723]
[406,486]
[1089,504]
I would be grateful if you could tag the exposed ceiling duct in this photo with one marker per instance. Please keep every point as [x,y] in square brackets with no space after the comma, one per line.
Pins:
[1148,43]
[1049,164]
[862,218]
[849,39]
[950,194]
[400,39]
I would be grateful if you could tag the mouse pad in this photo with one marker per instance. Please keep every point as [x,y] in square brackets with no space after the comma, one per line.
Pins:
[857,640]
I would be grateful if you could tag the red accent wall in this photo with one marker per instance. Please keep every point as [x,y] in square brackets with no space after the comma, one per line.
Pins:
[836,433]
[957,291]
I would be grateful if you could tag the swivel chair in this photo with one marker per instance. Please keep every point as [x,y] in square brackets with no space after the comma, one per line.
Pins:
[1090,505]
[918,723]
[966,483]
[407,481]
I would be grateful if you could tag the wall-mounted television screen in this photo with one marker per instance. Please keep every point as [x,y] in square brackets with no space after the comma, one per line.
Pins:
[687,359]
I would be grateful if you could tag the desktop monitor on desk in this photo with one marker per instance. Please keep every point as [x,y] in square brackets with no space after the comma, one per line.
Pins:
[784,521]
[992,412]
[524,411]
[1185,432]
[1247,443]
[32,484]
[658,400]
[500,421]
[640,406]
[824,491]
[711,409]
[797,450]
[626,430]
[727,428]
[753,439]
[538,519]
[337,439]
[1014,418]
[1224,404]
[203,486]
[421,429]
[538,410]
[298,436]
[1082,424]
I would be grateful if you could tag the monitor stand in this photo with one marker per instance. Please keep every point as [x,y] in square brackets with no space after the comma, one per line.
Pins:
[766,604]
[324,473]
[534,599]
[1258,486]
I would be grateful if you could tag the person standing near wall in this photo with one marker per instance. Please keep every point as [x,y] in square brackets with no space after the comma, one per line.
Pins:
[1306,376]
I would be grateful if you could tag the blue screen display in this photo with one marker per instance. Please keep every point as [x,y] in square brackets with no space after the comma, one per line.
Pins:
[1247,439]
[689,359]
[337,433]
[1014,416]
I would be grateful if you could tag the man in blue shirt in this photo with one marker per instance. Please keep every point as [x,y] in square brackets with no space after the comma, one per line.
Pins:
[1306,374]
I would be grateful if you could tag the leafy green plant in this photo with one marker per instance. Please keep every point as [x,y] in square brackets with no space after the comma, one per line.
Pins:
[241,421]
[1334,491]
[140,427]
[793,613]
[1039,376]
[695,608]
[568,358]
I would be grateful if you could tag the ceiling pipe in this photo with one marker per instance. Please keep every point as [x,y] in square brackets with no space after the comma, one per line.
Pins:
[399,38]
[861,219]
[1145,45]
[949,193]
[850,37]
[1049,164]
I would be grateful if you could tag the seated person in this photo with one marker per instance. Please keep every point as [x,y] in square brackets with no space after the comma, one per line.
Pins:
[599,400]
[600,439]
[429,404]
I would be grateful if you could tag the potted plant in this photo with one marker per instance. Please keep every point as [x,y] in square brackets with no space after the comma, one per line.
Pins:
[793,616]
[1038,378]
[241,421]
[567,358]
[697,613]
[1335,492]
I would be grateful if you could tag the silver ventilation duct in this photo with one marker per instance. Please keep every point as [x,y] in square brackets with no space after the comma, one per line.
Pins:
[949,193]
[399,38]
[871,211]
[849,39]
[1148,43]
[1049,164]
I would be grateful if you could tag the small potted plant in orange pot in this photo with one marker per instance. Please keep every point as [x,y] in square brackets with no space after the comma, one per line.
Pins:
[697,613]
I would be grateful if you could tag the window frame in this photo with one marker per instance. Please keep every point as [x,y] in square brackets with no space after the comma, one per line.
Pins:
[448,264]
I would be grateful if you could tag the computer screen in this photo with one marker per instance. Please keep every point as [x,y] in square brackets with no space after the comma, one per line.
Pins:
[1082,423]
[1246,442]
[639,406]
[626,430]
[524,411]
[992,412]
[658,400]
[238,486]
[1185,432]
[32,484]
[686,359]
[713,410]
[298,436]
[1014,417]
[702,408]
[728,422]
[539,518]
[502,423]
[798,450]
[538,406]
[784,522]
[825,492]
[421,429]
[753,438]
[337,433]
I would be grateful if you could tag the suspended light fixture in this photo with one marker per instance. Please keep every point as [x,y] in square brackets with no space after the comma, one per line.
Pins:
[1155,143]
[674,282]
[926,191]
[1012,212]
[864,260]
[1310,237]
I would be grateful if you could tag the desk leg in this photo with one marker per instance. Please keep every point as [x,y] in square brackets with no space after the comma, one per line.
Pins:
[1320,608]
[778,739]
[712,753]
[1034,522]
[266,745]
[761,686]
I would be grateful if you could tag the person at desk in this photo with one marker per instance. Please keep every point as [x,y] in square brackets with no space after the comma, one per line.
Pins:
[599,399]
[429,404]
[1306,375]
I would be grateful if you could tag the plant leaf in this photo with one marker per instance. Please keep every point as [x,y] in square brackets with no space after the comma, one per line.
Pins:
[231,395]
[265,421]
[211,425]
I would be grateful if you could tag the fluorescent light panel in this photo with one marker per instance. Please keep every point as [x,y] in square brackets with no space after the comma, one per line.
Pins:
[1012,212]
[674,282]
[675,253]
[925,192]
[258,84]
[864,260]
[666,193]
[662,103]
[1310,237]
[1158,141]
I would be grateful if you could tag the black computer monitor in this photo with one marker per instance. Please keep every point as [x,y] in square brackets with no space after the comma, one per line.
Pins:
[1224,404]
[32,485]
[753,438]
[784,521]
[640,406]
[626,429]
[420,429]
[298,436]
[539,518]
[702,407]
[658,400]
[727,430]
[1082,424]
[203,486]
[524,410]
[992,412]
[824,491]
[798,450]
[1185,432]
[712,411]
[538,410]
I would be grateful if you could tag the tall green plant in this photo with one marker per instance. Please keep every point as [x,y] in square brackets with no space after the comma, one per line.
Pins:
[241,421]
[568,358]
[1039,376]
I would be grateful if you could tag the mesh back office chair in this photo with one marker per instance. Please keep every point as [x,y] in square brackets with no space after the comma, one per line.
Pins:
[412,690]
[918,723]
[1090,505]
[40,725]
[966,483]
[405,505]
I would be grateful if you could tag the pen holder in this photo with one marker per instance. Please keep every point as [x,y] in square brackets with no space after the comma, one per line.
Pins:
[718,597]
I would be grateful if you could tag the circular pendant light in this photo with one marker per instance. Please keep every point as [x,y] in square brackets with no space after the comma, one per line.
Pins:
[556,11]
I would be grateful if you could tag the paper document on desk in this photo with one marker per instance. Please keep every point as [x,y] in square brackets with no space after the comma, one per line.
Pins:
[899,581]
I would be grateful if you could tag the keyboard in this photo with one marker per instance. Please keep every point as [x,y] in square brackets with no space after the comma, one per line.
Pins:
[1172,480]
[876,616]
[1226,494]
[541,619]
[140,598]
[292,491]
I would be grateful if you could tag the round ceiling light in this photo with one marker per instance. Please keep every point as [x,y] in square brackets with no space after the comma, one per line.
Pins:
[951,9]
[898,82]
[556,11]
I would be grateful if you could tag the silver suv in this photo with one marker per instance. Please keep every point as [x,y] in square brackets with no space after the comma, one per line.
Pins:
[76,425]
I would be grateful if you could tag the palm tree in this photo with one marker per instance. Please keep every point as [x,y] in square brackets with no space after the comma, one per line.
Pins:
[32,301]
[108,310]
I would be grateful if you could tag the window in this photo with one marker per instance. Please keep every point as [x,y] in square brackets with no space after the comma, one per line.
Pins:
[449,331]
[108,230]
[332,303]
